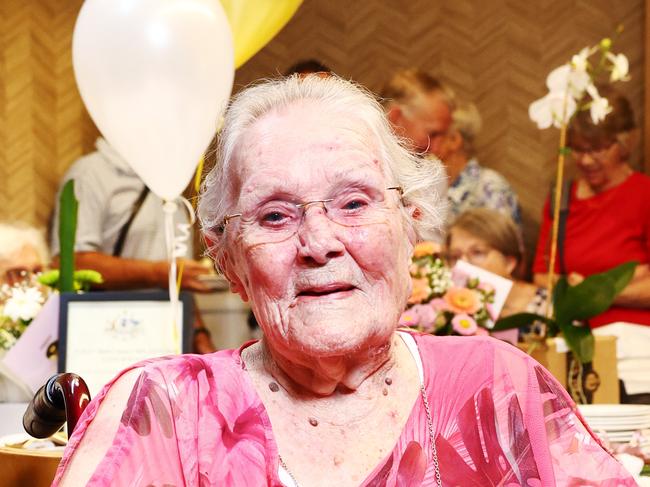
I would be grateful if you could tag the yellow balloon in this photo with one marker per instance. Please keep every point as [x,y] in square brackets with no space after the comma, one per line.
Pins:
[255,22]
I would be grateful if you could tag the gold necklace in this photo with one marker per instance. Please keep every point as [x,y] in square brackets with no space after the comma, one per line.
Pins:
[432,442]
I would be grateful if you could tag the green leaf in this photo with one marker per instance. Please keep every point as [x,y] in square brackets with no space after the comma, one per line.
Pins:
[520,319]
[579,339]
[622,275]
[592,296]
[67,232]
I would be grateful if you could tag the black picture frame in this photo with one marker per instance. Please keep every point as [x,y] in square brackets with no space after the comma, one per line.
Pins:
[141,297]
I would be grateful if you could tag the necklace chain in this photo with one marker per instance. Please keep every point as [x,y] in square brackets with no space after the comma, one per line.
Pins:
[432,438]
[432,443]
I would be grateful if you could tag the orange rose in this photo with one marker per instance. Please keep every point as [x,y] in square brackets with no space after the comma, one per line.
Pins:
[420,291]
[463,300]
[426,248]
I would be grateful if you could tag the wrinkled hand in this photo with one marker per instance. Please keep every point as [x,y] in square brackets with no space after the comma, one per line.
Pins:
[191,271]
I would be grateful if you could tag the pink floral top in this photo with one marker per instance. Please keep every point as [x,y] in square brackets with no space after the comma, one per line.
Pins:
[499,419]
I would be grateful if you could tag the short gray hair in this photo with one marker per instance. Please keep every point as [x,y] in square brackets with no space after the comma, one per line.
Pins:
[15,235]
[423,181]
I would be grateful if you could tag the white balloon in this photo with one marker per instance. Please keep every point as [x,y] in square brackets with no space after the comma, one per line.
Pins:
[155,76]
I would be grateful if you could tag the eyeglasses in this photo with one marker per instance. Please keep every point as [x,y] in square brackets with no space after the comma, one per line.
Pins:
[599,154]
[474,255]
[278,220]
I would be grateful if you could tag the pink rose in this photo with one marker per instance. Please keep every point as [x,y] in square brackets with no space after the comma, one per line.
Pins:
[464,324]
[409,319]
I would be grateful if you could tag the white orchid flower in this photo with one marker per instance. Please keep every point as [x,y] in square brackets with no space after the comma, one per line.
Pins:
[567,78]
[24,304]
[599,107]
[579,61]
[620,67]
[547,111]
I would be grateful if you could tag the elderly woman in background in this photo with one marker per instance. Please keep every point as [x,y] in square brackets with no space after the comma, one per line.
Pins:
[608,223]
[22,250]
[310,215]
[491,240]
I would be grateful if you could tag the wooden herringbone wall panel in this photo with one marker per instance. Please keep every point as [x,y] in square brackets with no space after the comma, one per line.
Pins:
[43,124]
[495,53]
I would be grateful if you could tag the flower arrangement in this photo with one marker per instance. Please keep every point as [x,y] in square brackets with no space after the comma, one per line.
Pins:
[445,302]
[19,305]
[572,87]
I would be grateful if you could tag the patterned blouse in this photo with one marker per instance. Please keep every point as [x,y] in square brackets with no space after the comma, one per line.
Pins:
[480,187]
[499,418]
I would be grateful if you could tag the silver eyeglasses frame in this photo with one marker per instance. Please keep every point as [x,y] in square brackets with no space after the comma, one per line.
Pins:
[222,226]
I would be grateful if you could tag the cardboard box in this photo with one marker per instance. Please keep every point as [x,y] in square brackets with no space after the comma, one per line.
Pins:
[555,358]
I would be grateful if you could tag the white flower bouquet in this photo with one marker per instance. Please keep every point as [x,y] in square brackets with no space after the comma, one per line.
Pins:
[19,305]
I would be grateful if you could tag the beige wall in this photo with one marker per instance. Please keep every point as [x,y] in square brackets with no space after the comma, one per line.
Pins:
[494,53]
[43,124]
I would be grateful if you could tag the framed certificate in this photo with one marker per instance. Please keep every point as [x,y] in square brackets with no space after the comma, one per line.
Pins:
[102,333]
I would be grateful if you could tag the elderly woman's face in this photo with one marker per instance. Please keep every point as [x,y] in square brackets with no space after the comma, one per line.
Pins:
[329,286]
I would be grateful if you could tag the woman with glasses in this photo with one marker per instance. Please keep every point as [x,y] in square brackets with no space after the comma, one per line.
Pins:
[312,212]
[608,223]
[488,239]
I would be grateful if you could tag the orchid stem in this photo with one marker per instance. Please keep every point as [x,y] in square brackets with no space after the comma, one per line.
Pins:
[556,206]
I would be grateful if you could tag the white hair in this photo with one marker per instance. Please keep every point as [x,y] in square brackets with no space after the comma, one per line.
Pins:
[14,236]
[467,120]
[423,181]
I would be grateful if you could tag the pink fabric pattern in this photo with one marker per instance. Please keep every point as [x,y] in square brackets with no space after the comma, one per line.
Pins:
[499,419]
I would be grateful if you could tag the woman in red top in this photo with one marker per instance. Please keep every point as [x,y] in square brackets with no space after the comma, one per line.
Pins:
[608,221]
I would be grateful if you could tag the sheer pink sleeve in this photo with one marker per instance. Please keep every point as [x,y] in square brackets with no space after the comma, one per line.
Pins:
[181,427]
[513,424]
[577,455]
[144,441]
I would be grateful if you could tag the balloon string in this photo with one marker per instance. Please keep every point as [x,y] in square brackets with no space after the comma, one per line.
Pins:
[169,209]
[180,241]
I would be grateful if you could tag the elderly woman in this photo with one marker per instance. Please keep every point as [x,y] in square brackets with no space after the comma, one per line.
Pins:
[310,215]
[22,251]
